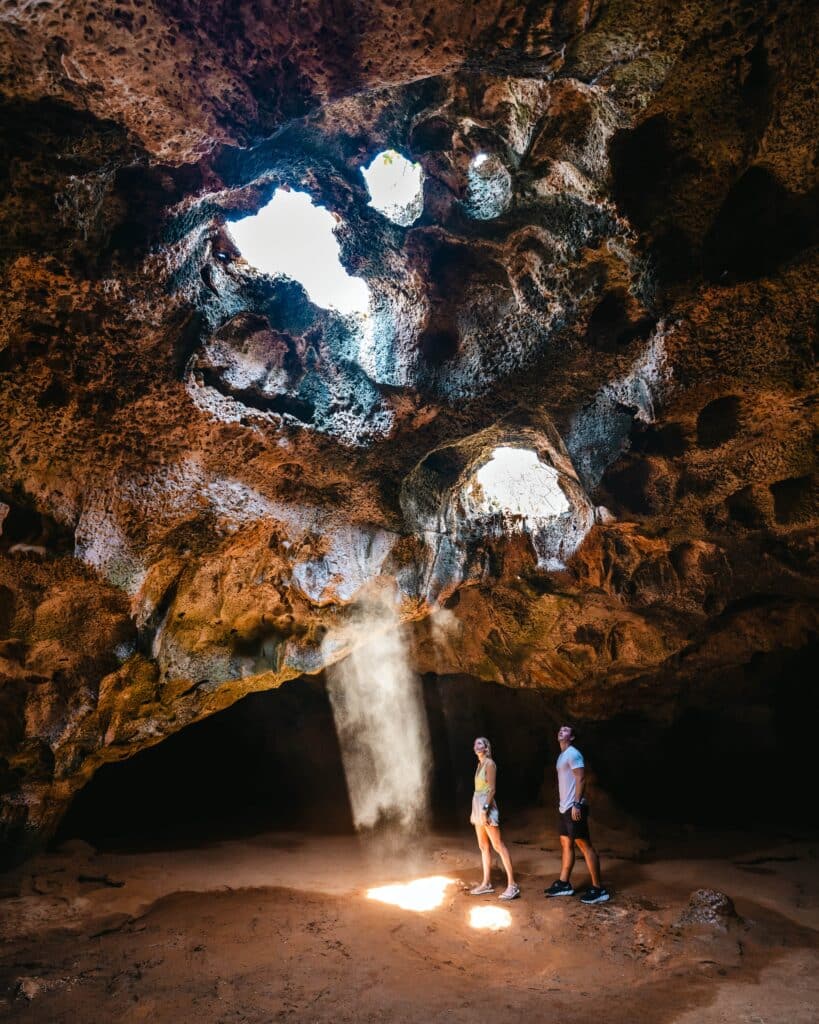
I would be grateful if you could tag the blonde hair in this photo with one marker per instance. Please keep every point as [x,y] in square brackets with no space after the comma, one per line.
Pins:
[487,746]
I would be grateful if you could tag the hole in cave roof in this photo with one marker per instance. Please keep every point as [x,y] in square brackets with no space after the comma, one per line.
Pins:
[292,236]
[395,186]
[488,188]
[516,482]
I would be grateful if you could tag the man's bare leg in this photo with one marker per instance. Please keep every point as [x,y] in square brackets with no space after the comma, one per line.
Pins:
[567,854]
[592,860]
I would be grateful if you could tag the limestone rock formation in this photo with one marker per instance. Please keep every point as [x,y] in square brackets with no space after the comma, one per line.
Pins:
[708,907]
[202,472]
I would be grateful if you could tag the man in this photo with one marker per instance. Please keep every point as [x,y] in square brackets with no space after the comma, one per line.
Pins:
[574,822]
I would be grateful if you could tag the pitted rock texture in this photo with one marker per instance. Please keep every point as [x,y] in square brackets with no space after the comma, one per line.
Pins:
[202,472]
[708,907]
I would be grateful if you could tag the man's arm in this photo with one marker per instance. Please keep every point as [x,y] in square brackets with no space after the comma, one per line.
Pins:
[579,787]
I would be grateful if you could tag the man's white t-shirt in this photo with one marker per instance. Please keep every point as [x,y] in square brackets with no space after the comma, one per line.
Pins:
[569,759]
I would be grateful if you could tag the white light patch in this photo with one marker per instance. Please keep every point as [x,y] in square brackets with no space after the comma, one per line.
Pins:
[492,918]
[395,187]
[293,237]
[516,482]
[420,895]
[488,187]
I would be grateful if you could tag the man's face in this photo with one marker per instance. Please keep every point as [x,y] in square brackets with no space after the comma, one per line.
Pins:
[564,734]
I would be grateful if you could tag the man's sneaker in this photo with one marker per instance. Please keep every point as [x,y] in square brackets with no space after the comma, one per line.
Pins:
[559,888]
[595,895]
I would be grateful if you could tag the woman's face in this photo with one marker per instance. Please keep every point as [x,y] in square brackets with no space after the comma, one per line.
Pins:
[479,748]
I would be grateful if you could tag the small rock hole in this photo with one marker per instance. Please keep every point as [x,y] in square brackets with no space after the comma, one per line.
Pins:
[718,422]
[439,345]
[794,500]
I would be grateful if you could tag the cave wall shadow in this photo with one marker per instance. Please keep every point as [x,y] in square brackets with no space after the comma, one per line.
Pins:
[272,762]
[738,759]
[269,761]
[521,726]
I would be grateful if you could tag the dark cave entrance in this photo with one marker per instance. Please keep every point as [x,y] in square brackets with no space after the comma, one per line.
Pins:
[272,762]
[738,763]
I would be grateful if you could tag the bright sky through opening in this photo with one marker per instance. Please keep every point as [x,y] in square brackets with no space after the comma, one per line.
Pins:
[291,236]
[515,481]
[395,187]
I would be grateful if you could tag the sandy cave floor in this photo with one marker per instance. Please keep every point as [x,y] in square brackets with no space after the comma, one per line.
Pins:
[278,927]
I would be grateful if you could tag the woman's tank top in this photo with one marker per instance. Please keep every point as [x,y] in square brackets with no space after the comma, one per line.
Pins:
[481,785]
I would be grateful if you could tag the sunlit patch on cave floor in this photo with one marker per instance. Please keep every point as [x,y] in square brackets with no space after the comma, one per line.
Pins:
[490,918]
[514,481]
[420,895]
[292,236]
[395,186]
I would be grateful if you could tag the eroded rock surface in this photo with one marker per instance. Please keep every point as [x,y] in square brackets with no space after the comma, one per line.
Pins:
[201,471]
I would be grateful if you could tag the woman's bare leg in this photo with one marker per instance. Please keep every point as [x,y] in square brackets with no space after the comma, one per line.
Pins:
[500,848]
[486,852]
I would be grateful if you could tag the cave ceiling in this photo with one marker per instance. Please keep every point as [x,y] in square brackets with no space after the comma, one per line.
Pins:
[203,473]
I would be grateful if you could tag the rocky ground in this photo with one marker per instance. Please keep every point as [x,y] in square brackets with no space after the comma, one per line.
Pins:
[278,927]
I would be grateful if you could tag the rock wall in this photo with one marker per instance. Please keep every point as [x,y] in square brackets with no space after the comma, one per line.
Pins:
[202,472]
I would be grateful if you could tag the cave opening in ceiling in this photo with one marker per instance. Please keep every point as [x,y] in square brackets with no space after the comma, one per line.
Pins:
[514,482]
[293,237]
[396,187]
[488,187]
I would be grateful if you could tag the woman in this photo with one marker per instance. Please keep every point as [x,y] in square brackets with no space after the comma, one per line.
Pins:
[487,826]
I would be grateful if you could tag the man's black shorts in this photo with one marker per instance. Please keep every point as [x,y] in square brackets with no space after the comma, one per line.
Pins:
[567,826]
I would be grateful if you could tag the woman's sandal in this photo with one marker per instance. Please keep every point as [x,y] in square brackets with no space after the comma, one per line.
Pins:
[510,893]
[481,890]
